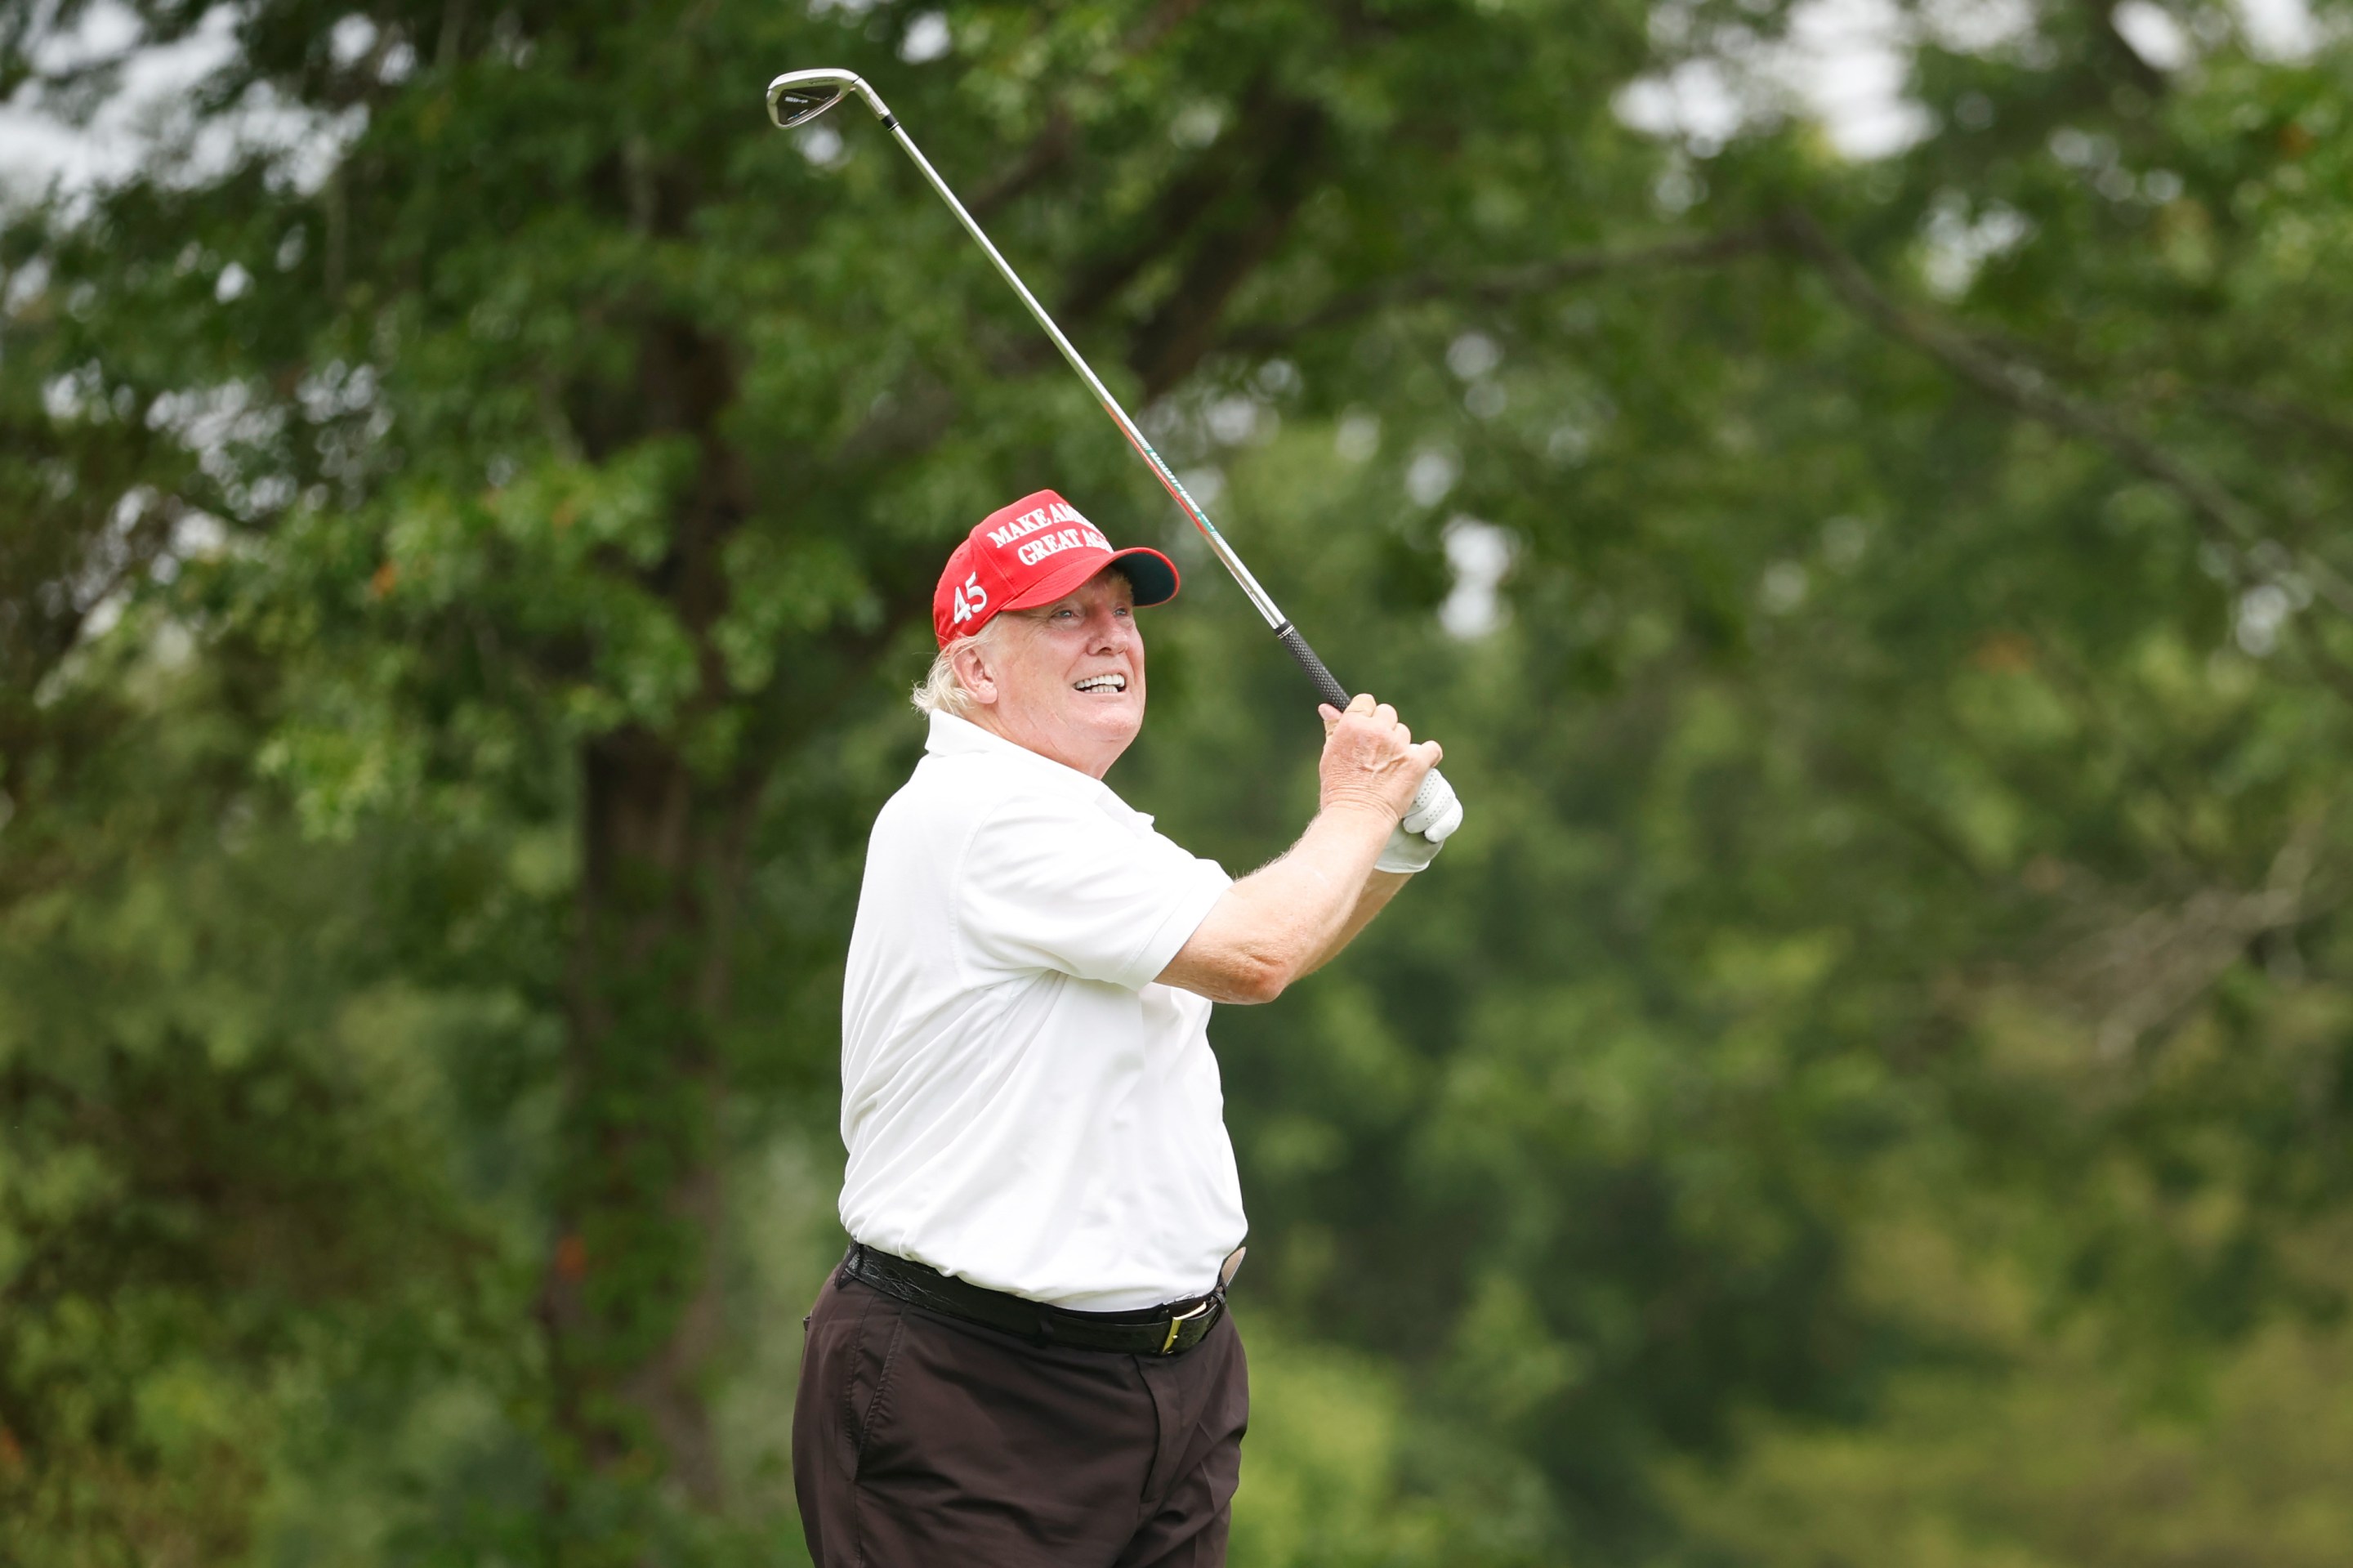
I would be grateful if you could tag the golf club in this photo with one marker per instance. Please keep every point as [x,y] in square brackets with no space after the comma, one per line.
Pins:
[799,97]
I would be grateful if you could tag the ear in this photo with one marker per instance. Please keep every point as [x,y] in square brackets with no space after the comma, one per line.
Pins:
[975,675]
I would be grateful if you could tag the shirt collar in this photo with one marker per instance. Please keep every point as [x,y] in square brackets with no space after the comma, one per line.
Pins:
[954,736]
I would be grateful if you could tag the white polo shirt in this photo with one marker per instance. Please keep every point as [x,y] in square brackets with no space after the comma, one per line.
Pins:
[1025,1109]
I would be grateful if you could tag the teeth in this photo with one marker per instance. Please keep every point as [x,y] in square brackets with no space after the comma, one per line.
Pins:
[1102,683]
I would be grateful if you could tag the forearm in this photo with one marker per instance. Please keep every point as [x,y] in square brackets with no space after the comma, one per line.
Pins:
[1379,888]
[1288,917]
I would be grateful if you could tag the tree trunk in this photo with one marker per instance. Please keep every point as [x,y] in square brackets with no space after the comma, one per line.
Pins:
[631,1306]
[632,1294]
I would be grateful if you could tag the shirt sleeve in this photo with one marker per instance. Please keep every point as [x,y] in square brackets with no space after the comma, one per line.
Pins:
[1056,885]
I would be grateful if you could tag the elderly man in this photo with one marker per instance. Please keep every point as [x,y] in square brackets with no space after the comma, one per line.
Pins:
[1025,1358]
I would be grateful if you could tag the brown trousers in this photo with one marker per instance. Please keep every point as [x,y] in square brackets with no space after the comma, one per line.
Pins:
[920,1440]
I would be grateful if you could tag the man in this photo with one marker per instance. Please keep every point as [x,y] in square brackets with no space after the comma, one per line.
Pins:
[1025,1358]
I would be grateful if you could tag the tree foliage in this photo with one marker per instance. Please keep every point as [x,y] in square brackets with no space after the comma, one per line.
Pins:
[463,561]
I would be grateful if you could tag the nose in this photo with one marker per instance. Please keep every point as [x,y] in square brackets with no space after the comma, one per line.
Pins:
[1108,631]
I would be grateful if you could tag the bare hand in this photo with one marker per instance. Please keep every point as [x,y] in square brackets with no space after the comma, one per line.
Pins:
[1370,760]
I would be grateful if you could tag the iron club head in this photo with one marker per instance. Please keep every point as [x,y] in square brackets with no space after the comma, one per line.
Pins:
[799,97]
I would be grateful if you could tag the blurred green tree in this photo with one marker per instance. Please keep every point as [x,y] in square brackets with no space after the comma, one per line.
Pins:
[1901,717]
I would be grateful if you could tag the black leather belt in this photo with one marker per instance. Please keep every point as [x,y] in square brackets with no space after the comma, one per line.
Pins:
[1169,1330]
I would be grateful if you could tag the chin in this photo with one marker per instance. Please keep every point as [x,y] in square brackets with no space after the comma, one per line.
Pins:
[1122,723]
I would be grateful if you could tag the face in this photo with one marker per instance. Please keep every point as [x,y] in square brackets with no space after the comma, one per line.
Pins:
[1065,679]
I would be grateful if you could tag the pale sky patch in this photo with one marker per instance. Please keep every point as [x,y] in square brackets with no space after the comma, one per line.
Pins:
[149,116]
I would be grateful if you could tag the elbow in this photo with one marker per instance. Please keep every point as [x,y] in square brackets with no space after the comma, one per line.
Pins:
[1257,985]
[1237,959]
[1262,977]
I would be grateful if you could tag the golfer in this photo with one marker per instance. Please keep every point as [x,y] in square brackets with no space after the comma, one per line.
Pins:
[1024,1359]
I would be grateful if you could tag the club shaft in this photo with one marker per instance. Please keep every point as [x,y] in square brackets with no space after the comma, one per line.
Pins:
[1258,596]
[1328,686]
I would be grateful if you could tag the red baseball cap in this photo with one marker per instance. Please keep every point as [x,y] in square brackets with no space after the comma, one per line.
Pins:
[1032,553]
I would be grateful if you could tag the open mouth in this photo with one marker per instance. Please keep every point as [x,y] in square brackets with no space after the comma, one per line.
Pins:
[1101,683]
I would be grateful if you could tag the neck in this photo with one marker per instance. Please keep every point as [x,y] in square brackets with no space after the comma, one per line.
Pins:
[1029,739]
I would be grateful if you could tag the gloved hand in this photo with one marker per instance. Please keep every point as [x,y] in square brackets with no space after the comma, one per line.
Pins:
[1434,815]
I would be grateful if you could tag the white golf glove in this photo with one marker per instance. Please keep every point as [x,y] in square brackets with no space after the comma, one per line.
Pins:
[1433,816]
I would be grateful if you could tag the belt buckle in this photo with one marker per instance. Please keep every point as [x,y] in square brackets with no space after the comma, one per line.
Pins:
[1180,1320]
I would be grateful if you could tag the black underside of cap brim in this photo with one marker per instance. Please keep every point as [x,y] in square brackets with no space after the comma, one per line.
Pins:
[1152,575]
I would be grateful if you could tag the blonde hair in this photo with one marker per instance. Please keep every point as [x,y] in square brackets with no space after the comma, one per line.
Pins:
[940,690]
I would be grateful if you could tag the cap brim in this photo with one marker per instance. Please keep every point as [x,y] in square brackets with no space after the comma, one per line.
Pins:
[1150,574]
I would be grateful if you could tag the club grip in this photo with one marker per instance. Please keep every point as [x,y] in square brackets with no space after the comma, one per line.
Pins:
[1326,685]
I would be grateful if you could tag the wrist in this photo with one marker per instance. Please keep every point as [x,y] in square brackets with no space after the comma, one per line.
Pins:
[1349,806]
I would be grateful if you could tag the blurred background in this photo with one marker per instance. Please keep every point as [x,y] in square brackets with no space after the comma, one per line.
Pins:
[1858,486]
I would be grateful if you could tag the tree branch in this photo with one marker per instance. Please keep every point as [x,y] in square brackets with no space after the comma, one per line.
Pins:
[1047,152]
[1182,330]
[1054,144]
[2142,977]
[2272,413]
[1502,285]
[1182,206]
[2111,49]
[2027,391]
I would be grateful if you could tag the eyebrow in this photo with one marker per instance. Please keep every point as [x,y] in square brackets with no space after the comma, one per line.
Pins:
[1070,602]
